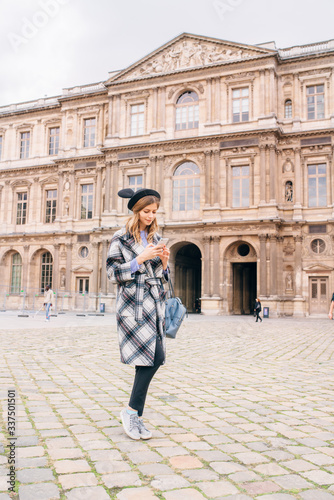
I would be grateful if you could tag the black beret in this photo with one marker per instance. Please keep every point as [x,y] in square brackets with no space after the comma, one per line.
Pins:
[137,195]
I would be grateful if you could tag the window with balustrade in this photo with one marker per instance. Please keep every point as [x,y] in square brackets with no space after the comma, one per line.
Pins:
[315,95]
[54,140]
[186,187]
[317,185]
[86,211]
[240,104]
[24,145]
[187,111]
[89,132]
[137,119]
[240,186]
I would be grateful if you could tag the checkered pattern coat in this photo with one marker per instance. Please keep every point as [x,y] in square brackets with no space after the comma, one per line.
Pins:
[140,303]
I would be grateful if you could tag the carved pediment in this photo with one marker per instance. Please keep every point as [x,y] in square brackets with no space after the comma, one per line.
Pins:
[81,269]
[188,51]
[318,268]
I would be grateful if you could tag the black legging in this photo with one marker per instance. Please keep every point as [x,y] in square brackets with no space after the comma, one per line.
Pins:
[143,377]
[258,315]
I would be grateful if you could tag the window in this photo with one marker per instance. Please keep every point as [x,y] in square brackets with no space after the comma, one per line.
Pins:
[46,271]
[21,209]
[187,111]
[16,273]
[317,188]
[86,201]
[288,109]
[54,140]
[317,228]
[240,105]
[83,285]
[89,132]
[137,119]
[25,145]
[186,187]
[240,186]
[51,205]
[315,102]
[0,147]
[318,246]
[135,182]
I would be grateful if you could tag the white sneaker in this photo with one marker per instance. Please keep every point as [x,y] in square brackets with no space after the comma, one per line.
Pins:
[144,433]
[130,424]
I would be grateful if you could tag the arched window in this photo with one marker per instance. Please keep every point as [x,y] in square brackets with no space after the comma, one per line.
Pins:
[46,271]
[16,273]
[288,109]
[186,187]
[187,111]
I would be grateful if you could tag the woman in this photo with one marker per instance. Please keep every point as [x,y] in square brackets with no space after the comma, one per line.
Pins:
[257,310]
[331,308]
[139,267]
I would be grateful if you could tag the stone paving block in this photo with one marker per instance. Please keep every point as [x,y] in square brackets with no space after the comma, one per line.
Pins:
[260,487]
[185,462]
[88,493]
[3,483]
[299,465]
[172,452]
[292,482]
[227,467]
[30,451]
[319,477]
[251,458]
[61,442]
[69,481]
[143,457]
[107,467]
[63,453]
[136,494]
[184,494]
[184,437]
[314,495]
[271,469]
[169,482]
[26,441]
[69,466]
[42,491]
[24,463]
[216,489]
[244,477]
[319,459]
[4,496]
[200,475]
[238,496]
[279,455]
[96,445]
[121,479]
[213,456]
[34,475]
[98,455]
[276,496]
[155,469]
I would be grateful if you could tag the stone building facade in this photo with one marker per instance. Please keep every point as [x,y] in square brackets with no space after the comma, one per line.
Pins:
[238,139]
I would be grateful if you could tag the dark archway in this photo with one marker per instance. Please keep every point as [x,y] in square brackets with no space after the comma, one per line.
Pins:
[188,275]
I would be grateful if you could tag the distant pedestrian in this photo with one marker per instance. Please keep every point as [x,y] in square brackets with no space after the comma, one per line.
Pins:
[331,309]
[257,310]
[48,297]
[137,262]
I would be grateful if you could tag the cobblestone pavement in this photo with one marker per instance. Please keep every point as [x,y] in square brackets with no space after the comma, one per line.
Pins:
[240,411]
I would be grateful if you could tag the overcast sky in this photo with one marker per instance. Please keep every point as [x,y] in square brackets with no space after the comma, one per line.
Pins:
[48,45]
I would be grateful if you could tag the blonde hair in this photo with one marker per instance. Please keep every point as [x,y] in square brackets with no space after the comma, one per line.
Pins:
[132,224]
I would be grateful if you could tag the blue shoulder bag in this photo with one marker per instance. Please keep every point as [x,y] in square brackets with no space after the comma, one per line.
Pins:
[175,313]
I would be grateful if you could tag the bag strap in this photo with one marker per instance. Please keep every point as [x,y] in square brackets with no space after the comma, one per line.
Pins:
[170,286]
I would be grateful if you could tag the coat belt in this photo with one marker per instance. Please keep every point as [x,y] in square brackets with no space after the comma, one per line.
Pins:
[153,284]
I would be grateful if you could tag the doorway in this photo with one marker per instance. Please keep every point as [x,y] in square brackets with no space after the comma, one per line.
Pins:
[188,275]
[318,295]
[244,287]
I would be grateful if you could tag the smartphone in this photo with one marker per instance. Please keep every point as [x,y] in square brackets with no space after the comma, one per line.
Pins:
[162,242]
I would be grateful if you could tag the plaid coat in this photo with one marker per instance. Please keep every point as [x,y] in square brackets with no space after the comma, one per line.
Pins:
[140,303]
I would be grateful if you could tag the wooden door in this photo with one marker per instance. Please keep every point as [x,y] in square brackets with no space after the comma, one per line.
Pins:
[318,295]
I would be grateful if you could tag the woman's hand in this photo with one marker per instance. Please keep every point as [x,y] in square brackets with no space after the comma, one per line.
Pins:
[164,256]
[150,252]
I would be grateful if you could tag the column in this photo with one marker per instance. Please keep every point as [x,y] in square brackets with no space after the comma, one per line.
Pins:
[217,104]
[267,94]
[154,109]
[297,195]
[60,195]
[98,192]
[251,181]
[273,264]
[263,265]
[96,269]
[153,161]
[100,126]
[55,274]
[296,104]
[117,118]
[209,101]
[161,175]
[69,247]
[262,94]
[73,196]
[110,111]
[107,188]
[216,265]
[114,187]
[298,265]
[262,174]
[216,180]
[206,267]
[103,267]
[272,170]
[280,285]
[272,92]
[162,121]
[25,266]
[207,177]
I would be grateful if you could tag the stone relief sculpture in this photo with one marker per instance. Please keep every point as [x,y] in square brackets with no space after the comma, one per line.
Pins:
[288,282]
[288,191]
[188,54]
